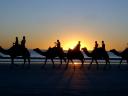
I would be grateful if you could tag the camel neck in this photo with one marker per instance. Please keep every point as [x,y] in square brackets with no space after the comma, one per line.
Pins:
[4,51]
[117,53]
[88,53]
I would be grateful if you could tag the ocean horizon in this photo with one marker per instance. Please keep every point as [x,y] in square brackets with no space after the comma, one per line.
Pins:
[38,59]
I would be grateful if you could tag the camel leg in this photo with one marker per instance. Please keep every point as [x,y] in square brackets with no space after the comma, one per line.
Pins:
[12,63]
[44,63]
[82,63]
[105,64]
[109,63]
[28,62]
[64,60]
[120,63]
[53,63]
[24,62]
[97,64]
[90,64]
[67,64]
[60,62]
[84,60]
[73,63]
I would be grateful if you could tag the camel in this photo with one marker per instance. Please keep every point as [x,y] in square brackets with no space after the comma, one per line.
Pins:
[51,53]
[74,54]
[123,55]
[96,54]
[14,51]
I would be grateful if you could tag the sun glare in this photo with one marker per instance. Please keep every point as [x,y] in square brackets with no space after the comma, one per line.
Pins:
[76,63]
[71,40]
[72,44]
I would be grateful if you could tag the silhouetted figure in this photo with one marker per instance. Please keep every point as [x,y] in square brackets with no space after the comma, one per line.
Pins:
[15,46]
[58,44]
[99,53]
[57,49]
[75,54]
[16,42]
[51,54]
[96,45]
[15,51]
[77,48]
[23,42]
[123,54]
[103,45]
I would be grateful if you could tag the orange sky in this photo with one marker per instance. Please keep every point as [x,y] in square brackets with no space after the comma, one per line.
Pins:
[70,21]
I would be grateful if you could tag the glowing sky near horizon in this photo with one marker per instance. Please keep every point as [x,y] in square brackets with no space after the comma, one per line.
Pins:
[70,21]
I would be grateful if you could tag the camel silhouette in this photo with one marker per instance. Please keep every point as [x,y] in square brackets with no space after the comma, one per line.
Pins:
[74,54]
[51,53]
[96,54]
[123,54]
[14,51]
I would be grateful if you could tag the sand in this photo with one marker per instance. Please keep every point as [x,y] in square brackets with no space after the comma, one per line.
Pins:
[61,82]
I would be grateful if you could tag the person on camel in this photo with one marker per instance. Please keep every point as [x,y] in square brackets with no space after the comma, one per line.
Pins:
[58,45]
[96,45]
[16,42]
[15,45]
[77,47]
[23,42]
[103,45]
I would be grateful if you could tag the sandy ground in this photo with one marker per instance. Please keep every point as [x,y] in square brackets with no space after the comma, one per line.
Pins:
[61,82]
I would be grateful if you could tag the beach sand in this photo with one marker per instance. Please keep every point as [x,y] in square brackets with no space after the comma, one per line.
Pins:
[61,82]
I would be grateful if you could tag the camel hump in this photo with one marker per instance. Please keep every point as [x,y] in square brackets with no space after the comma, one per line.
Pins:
[100,49]
[126,51]
[17,48]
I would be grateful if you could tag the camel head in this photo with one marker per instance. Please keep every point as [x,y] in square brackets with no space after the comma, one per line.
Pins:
[113,50]
[84,49]
[36,49]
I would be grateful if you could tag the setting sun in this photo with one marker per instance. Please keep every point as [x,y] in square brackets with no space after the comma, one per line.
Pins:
[70,44]
[73,43]
[72,37]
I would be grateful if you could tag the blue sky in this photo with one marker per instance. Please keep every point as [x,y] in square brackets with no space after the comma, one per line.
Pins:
[44,21]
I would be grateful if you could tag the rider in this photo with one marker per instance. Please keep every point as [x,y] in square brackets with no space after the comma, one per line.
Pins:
[58,45]
[103,45]
[16,42]
[96,45]
[23,42]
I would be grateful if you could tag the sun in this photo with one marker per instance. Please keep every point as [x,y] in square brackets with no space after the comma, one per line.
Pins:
[73,43]
[70,44]
[71,40]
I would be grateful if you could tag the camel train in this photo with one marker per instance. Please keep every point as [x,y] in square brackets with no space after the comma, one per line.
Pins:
[123,55]
[17,50]
[57,51]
